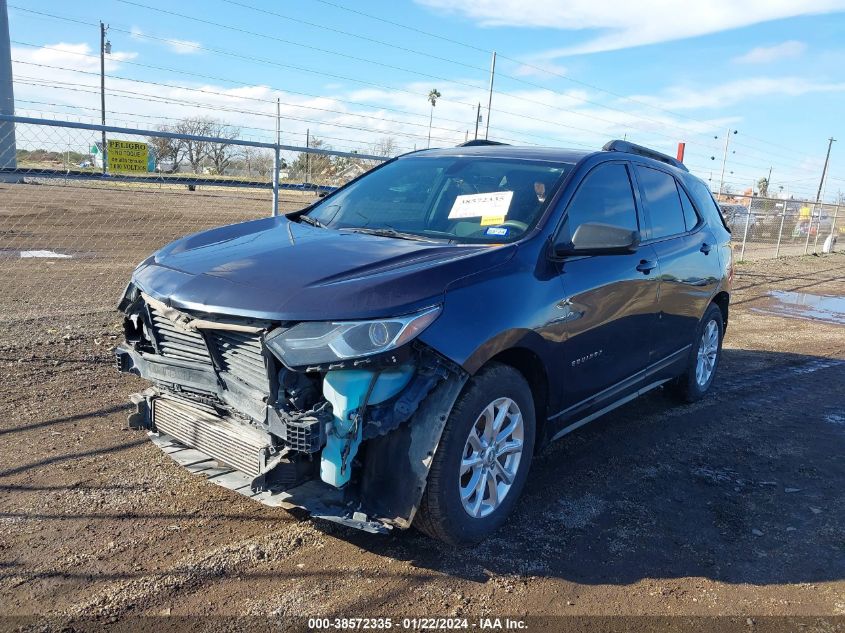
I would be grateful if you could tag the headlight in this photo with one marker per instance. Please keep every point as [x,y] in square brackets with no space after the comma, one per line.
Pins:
[321,342]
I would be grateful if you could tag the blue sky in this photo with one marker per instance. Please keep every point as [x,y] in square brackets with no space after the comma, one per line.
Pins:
[573,72]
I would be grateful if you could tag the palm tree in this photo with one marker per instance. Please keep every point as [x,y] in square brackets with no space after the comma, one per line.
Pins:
[433,96]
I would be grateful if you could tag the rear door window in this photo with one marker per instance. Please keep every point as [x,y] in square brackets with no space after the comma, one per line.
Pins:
[662,202]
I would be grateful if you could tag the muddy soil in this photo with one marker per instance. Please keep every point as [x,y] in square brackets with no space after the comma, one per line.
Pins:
[730,506]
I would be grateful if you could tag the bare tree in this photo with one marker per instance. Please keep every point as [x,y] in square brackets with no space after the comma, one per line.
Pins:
[250,156]
[315,166]
[222,152]
[262,162]
[166,149]
[385,146]
[195,151]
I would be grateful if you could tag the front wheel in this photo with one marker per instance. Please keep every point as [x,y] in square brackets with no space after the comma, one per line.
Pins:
[482,461]
[704,357]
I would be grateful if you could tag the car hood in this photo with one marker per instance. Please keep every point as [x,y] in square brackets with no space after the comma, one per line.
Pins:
[281,270]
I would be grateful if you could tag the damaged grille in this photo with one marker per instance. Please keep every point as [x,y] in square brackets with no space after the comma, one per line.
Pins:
[178,343]
[240,355]
[198,426]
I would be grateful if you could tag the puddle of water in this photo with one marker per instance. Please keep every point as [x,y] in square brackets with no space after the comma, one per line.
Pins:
[803,305]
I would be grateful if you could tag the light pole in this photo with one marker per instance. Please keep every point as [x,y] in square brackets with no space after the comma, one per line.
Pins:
[105,48]
[725,159]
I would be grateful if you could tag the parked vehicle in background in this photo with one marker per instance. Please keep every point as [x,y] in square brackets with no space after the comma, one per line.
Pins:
[817,223]
[398,351]
[736,217]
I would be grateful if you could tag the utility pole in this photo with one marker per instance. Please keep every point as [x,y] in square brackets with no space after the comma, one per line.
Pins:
[477,119]
[490,94]
[725,159]
[830,143]
[105,47]
[307,155]
[8,158]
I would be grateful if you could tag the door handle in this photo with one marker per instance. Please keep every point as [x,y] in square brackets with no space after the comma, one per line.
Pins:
[646,266]
[705,248]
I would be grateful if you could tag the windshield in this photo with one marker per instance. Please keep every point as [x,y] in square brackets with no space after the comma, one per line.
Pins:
[458,198]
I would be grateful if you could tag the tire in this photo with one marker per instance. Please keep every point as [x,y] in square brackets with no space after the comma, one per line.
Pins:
[442,514]
[688,387]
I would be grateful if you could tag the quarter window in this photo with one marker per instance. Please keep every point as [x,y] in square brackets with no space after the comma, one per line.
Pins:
[662,202]
[690,216]
[604,196]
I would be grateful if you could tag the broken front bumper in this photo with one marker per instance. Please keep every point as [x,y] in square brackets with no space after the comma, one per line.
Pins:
[235,454]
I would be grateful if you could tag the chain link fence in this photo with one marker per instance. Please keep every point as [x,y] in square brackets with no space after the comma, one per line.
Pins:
[71,232]
[766,228]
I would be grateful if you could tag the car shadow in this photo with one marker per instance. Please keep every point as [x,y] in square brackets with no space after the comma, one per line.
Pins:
[741,487]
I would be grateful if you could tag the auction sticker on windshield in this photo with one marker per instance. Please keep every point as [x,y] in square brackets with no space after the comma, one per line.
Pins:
[491,207]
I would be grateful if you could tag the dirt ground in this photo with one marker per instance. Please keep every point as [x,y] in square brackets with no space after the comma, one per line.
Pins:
[90,236]
[731,506]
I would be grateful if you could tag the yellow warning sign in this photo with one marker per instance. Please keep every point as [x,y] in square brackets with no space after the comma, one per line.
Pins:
[127,156]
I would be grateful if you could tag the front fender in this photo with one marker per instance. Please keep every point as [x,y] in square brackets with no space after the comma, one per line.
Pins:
[396,465]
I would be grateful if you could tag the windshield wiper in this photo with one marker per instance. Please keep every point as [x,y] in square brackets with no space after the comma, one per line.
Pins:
[312,221]
[388,232]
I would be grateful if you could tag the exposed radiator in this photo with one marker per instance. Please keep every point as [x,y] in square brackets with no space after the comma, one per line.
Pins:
[239,445]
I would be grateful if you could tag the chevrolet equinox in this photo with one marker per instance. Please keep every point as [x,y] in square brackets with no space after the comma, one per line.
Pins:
[399,350]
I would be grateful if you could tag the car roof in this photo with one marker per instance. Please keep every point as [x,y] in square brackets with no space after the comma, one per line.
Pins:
[551,154]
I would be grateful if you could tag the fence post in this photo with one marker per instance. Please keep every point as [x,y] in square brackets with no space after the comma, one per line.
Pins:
[780,232]
[745,233]
[810,228]
[276,181]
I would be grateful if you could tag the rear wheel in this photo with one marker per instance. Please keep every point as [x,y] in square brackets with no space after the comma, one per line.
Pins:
[482,461]
[704,357]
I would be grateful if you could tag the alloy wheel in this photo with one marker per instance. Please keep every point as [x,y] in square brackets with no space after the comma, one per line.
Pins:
[708,348]
[491,457]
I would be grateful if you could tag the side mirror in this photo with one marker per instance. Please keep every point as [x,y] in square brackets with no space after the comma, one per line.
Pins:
[595,238]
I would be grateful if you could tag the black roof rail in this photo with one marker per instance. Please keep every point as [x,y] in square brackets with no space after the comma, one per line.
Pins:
[480,141]
[633,148]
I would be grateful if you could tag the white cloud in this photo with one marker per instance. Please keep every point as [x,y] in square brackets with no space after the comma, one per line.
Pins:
[732,92]
[534,116]
[625,24]
[767,54]
[79,56]
[539,68]
[181,47]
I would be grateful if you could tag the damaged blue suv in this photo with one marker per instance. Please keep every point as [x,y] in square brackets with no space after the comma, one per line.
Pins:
[398,351]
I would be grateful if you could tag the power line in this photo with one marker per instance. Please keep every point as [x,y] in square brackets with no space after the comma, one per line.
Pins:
[521,133]
[176,101]
[220,51]
[598,104]
[161,117]
[502,94]
[521,62]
